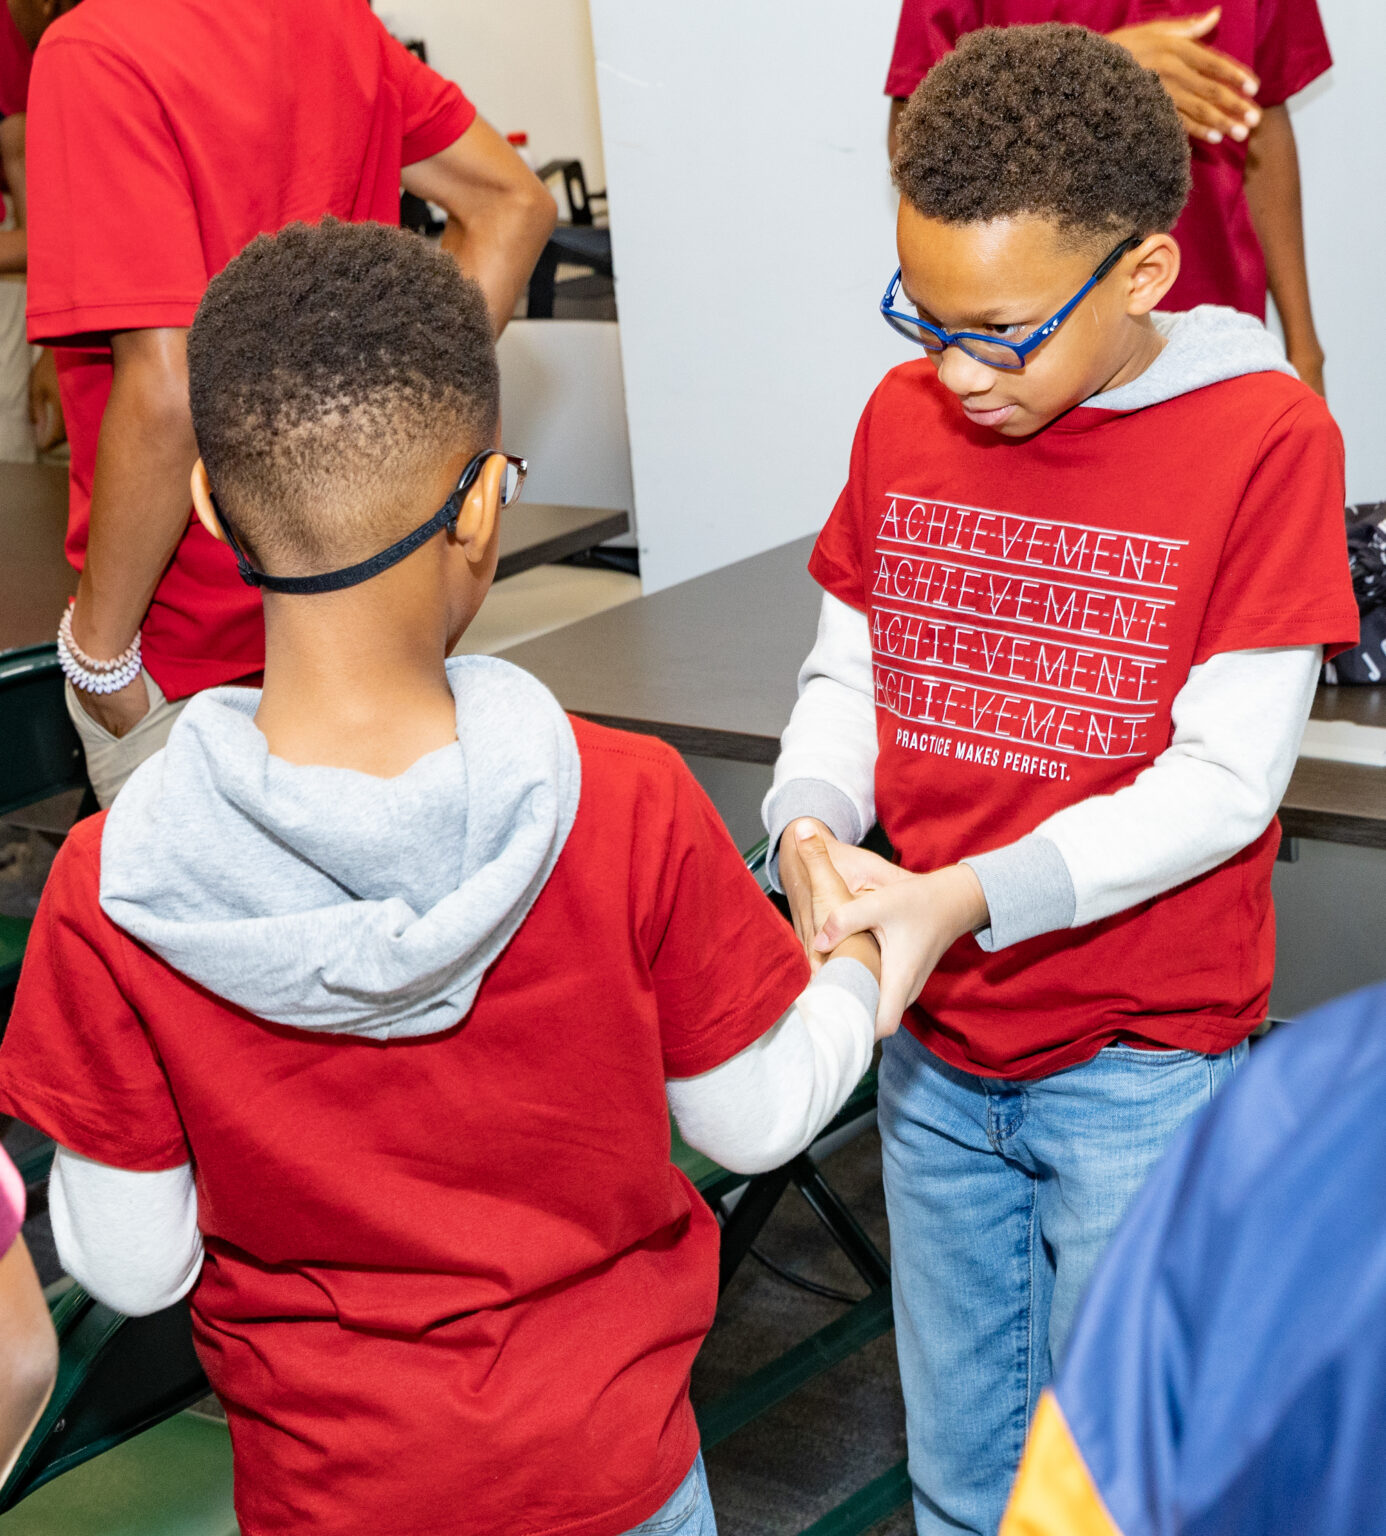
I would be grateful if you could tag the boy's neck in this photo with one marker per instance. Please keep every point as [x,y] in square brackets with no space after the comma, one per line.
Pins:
[356,679]
[1146,345]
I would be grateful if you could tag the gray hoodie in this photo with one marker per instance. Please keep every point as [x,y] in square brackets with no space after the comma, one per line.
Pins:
[333,900]
[1203,346]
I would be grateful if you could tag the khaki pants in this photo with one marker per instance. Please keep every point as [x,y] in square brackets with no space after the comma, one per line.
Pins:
[16,359]
[112,759]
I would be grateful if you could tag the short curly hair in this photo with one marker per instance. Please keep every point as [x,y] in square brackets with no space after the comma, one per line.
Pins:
[332,368]
[1051,120]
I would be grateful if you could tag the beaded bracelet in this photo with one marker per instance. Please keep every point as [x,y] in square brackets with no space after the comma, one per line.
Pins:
[90,675]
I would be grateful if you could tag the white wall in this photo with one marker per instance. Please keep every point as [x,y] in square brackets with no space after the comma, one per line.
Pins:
[527,64]
[1340,126]
[753,226]
[563,407]
[753,231]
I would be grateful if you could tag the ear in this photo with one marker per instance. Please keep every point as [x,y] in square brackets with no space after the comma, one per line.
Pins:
[480,510]
[202,502]
[1154,267]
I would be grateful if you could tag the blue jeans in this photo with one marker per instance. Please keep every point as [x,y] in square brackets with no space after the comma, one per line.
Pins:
[688,1511]
[1001,1197]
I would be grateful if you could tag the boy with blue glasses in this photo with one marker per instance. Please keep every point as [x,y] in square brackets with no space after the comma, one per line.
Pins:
[1077,591]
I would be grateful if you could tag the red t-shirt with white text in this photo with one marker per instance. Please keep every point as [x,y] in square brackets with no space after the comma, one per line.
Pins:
[1035,606]
[1281,40]
[451,1283]
[200,124]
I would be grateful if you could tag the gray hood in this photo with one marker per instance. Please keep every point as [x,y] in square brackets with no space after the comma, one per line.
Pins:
[1202,346]
[328,899]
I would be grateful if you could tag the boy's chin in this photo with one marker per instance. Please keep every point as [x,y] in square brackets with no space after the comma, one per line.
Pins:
[1017,421]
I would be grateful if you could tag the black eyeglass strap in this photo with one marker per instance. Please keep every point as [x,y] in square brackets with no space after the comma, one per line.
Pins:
[353,575]
[1108,262]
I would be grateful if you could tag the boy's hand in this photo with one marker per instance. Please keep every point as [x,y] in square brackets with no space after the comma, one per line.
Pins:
[797,888]
[1211,90]
[859,869]
[915,920]
[827,891]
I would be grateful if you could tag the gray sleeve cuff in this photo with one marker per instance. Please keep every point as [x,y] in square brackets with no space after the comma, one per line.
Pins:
[1028,888]
[808,797]
[852,976]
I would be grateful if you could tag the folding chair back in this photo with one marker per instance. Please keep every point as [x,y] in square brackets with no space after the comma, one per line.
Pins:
[40,755]
[117,1376]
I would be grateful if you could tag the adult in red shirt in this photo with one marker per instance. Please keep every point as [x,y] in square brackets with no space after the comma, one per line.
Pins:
[202,123]
[1242,228]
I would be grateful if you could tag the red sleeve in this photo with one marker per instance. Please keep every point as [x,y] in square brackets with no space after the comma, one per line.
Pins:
[114,240]
[1283,576]
[928,29]
[1291,48]
[725,964]
[836,561]
[77,1061]
[11,1203]
[436,113]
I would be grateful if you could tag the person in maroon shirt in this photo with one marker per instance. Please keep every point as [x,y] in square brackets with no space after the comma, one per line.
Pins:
[1230,71]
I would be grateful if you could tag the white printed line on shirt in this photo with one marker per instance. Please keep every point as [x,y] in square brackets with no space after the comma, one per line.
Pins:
[1116,733]
[1000,629]
[921,572]
[1048,522]
[1029,565]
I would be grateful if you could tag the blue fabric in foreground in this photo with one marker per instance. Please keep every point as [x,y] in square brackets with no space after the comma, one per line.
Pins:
[1227,1373]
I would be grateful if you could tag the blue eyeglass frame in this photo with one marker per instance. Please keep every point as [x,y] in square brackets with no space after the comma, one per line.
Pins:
[353,575]
[1021,349]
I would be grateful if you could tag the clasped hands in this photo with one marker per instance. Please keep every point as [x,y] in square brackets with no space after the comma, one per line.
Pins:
[836,891]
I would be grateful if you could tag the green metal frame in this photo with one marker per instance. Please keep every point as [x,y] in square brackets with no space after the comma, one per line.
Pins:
[40,756]
[117,1377]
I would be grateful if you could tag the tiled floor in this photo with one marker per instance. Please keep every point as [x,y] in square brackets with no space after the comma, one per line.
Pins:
[787,1469]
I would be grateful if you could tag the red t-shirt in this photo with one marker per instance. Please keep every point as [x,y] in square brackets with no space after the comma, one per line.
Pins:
[16,60]
[202,123]
[453,1282]
[1035,606]
[1281,40]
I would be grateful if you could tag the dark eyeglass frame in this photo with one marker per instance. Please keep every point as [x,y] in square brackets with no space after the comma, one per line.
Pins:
[935,339]
[353,575]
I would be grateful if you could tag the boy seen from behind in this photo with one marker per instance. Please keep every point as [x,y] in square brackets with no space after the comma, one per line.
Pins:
[1077,590]
[359,1017]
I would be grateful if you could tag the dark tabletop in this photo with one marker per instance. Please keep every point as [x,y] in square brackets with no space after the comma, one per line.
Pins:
[36,580]
[710,667]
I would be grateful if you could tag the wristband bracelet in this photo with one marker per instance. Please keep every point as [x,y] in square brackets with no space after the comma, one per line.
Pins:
[88,674]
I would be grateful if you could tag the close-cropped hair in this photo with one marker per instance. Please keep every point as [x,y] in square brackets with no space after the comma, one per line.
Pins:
[1051,120]
[332,368]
